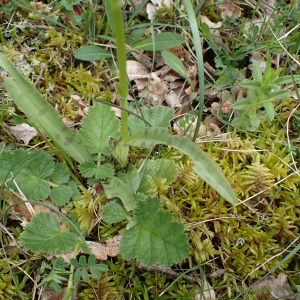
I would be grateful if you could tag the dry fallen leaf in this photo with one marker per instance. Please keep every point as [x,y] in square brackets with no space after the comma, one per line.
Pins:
[229,9]
[274,288]
[210,24]
[136,70]
[23,132]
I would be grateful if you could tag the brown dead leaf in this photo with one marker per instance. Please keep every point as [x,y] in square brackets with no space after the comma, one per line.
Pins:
[182,54]
[226,107]
[52,294]
[156,89]
[209,23]
[229,9]
[110,249]
[259,59]
[23,132]
[208,292]
[136,70]
[143,59]
[273,288]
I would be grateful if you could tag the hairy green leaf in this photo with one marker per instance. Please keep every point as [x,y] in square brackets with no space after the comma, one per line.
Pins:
[98,126]
[156,239]
[203,165]
[90,169]
[162,41]
[91,52]
[160,169]
[286,79]
[131,177]
[113,213]
[41,113]
[242,104]
[255,85]
[43,234]
[270,110]
[157,116]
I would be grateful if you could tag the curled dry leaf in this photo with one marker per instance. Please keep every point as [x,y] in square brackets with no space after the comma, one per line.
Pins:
[136,70]
[207,291]
[23,132]
[210,24]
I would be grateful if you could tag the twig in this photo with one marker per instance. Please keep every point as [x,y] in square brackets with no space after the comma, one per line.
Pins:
[43,66]
[172,273]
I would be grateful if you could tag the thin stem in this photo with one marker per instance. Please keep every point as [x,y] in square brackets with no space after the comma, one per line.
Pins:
[121,87]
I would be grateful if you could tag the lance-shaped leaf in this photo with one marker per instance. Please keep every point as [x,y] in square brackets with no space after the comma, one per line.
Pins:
[41,113]
[117,188]
[147,137]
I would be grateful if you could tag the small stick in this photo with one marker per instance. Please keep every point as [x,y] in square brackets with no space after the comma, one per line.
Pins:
[43,66]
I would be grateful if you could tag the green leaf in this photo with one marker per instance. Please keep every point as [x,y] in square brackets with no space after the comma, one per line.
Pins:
[131,177]
[242,104]
[254,121]
[207,169]
[41,113]
[162,41]
[74,263]
[255,85]
[91,52]
[60,174]
[82,261]
[157,239]
[95,272]
[92,259]
[77,275]
[115,187]
[176,64]
[90,169]
[101,267]
[98,126]
[257,75]
[114,146]
[158,116]
[85,275]
[286,79]
[43,234]
[61,195]
[241,122]
[278,94]
[113,213]
[270,110]
[160,169]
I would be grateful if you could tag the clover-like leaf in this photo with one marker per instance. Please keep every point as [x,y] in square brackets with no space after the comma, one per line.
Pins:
[98,126]
[156,239]
[43,234]
[113,213]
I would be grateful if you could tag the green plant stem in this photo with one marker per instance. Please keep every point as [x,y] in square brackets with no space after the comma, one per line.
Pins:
[198,47]
[70,288]
[121,87]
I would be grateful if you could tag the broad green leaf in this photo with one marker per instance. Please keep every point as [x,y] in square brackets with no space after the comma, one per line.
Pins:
[113,213]
[131,177]
[117,188]
[156,239]
[82,261]
[60,174]
[176,64]
[41,113]
[98,126]
[163,41]
[43,234]
[157,116]
[90,169]
[160,169]
[203,165]
[92,259]
[91,52]
[101,267]
[61,195]
[74,263]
